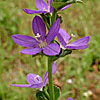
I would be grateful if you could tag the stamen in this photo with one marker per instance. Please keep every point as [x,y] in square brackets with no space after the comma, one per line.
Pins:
[38,35]
[36,77]
[41,89]
[72,35]
[46,9]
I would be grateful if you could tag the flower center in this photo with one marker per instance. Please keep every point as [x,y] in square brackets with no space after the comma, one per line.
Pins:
[42,44]
[37,77]
[48,10]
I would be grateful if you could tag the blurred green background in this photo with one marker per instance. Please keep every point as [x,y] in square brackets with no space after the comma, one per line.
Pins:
[82,66]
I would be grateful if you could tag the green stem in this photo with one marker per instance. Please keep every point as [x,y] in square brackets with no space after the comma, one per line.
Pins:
[51,88]
[54,15]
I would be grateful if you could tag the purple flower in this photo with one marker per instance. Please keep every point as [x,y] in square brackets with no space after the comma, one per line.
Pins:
[43,42]
[42,7]
[69,98]
[64,39]
[35,81]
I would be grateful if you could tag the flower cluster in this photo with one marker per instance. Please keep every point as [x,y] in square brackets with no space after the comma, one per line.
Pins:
[45,43]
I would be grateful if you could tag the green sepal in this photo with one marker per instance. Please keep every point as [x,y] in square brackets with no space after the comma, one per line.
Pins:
[58,5]
[62,54]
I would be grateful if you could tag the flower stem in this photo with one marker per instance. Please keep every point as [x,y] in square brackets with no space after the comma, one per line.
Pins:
[51,88]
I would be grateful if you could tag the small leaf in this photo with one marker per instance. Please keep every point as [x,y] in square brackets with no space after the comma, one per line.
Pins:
[57,92]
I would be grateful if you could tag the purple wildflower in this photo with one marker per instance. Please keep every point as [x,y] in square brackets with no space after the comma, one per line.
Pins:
[69,98]
[35,81]
[42,43]
[64,39]
[42,7]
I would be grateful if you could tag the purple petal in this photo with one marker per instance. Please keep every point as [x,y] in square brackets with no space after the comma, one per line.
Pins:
[45,78]
[66,7]
[33,78]
[63,37]
[51,1]
[54,69]
[38,85]
[39,27]
[20,85]
[82,41]
[77,47]
[53,31]
[51,8]
[51,49]
[28,11]
[25,41]
[31,51]
[41,5]
[69,98]
[79,44]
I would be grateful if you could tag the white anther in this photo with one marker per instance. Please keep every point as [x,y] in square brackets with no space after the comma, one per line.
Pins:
[72,35]
[46,9]
[38,35]
[41,89]
[37,76]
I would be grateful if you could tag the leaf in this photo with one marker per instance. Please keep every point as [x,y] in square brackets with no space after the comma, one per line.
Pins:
[57,92]
[40,95]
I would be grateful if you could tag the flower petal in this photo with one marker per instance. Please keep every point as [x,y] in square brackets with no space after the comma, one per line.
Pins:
[53,31]
[54,69]
[39,27]
[51,49]
[25,41]
[20,85]
[66,7]
[33,78]
[82,41]
[31,51]
[69,98]
[37,85]
[41,5]
[63,37]
[45,78]
[29,11]
[77,47]
[79,44]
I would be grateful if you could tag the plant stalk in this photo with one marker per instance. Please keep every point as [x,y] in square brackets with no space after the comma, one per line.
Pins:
[51,88]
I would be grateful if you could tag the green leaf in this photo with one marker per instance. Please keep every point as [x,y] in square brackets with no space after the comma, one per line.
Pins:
[40,95]
[57,92]
[58,5]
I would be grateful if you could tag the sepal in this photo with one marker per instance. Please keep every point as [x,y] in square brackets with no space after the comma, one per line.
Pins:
[62,54]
